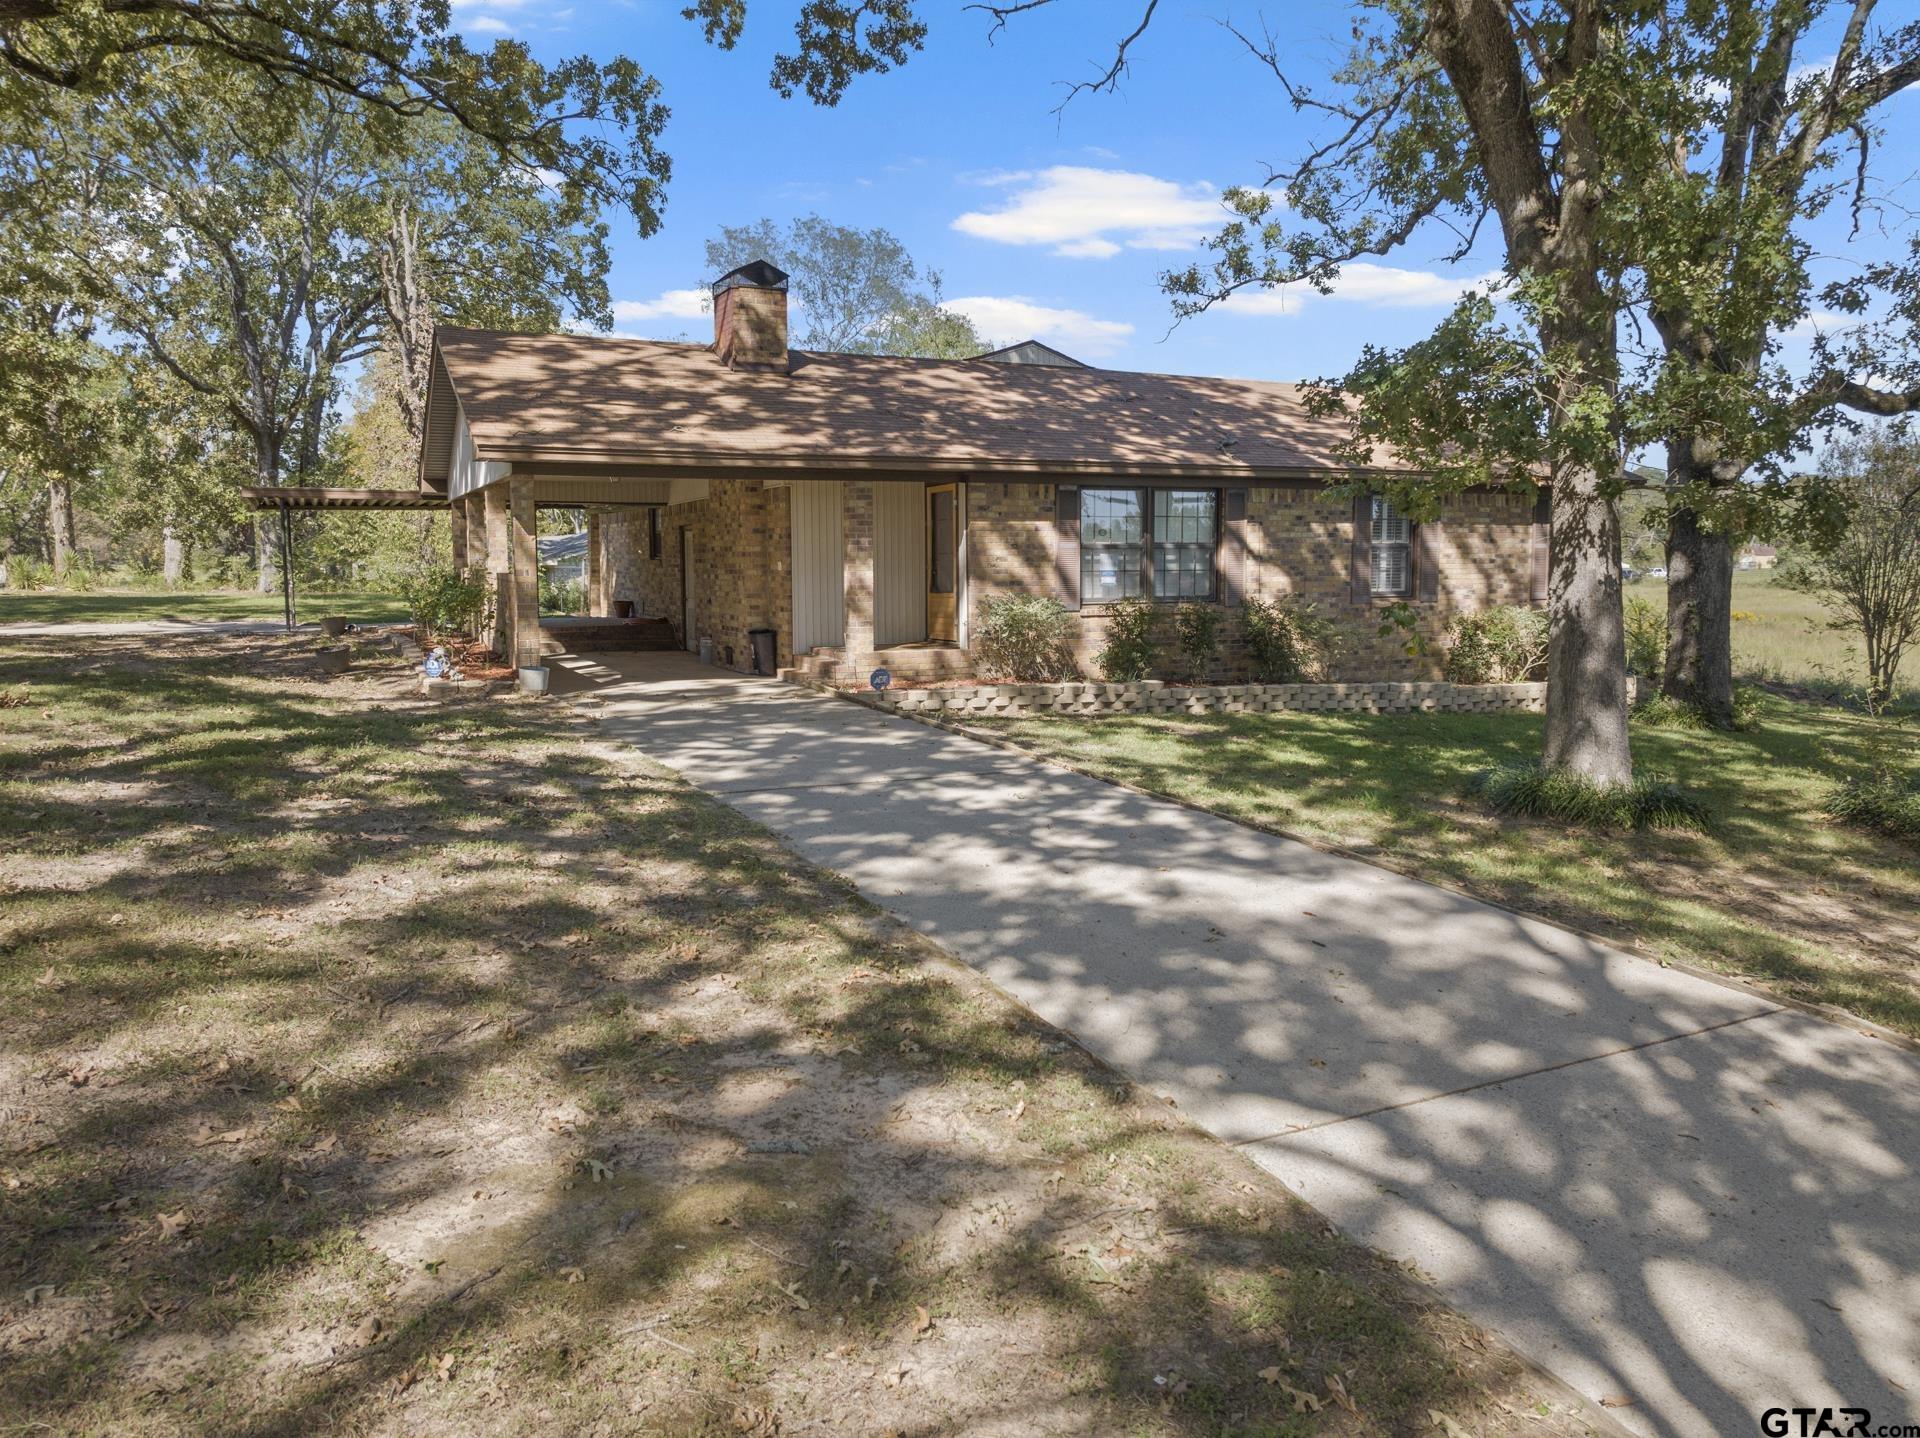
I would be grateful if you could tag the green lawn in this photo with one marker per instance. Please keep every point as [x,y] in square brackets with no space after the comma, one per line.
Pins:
[1774,892]
[1781,636]
[377,1066]
[92,606]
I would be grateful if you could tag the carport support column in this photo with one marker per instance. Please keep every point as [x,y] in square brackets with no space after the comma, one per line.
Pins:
[525,574]
[596,566]
[493,509]
[856,528]
[457,532]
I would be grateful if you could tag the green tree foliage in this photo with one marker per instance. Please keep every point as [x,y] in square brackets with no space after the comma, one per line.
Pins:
[593,125]
[853,291]
[1869,575]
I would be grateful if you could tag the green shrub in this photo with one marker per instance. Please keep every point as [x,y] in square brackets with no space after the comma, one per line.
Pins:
[444,601]
[1883,800]
[1025,638]
[1502,645]
[1660,712]
[1130,650]
[562,596]
[1288,641]
[1541,793]
[1196,634]
[1646,639]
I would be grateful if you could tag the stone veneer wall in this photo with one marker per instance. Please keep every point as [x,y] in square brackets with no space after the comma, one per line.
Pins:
[743,566]
[1152,696]
[1297,543]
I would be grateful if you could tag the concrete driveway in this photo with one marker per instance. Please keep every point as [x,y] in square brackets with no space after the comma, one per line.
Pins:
[1663,1189]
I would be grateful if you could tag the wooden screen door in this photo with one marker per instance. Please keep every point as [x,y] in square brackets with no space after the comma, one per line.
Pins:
[943,562]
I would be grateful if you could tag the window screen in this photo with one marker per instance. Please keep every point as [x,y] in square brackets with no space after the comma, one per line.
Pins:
[1184,528]
[1112,537]
[1392,549]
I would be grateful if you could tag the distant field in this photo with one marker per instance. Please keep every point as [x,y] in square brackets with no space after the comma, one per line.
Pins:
[96,606]
[1780,635]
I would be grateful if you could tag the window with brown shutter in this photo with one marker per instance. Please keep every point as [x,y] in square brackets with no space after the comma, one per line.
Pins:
[1426,560]
[1233,549]
[1066,544]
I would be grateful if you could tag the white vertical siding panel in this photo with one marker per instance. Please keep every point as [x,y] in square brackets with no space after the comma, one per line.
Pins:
[819,597]
[899,564]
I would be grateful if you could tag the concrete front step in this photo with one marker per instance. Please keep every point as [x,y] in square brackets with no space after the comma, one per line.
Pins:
[829,665]
[574,636]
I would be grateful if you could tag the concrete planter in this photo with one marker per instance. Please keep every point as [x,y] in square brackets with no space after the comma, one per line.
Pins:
[334,625]
[334,659]
[533,678]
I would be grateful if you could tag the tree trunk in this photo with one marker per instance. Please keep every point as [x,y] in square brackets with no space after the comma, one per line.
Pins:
[1586,729]
[60,528]
[266,550]
[1699,667]
[173,557]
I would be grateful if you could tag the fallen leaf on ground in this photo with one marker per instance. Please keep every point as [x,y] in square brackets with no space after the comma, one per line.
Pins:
[792,1291]
[1340,1395]
[207,1136]
[172,1225]
[1270,1376]
[922,1320]
[1616,1400]
[1446,1425]
[1303,1401]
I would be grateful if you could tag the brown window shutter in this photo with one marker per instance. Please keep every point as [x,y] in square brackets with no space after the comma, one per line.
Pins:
[1362,548]
[1066,544]
[1542,549]
[1426,560]
[1232,550]
[653,534]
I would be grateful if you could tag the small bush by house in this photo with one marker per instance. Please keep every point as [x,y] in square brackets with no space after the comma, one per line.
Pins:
[1288,641]
[442,600]
[1502,645]
[1130,651]
[1196,633]
[1023,638]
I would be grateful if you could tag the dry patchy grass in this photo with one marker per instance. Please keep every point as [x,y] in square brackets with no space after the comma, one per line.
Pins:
[378,1067]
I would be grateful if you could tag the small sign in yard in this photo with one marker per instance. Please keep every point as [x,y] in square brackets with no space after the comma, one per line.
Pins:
[880,678]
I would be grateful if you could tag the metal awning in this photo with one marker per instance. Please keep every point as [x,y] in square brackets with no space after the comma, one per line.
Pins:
[290,496]
[283,499]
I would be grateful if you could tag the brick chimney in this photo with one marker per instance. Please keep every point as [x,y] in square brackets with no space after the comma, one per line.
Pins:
[750,318]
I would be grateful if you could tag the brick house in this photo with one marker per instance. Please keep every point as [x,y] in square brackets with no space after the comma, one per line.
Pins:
[864,508]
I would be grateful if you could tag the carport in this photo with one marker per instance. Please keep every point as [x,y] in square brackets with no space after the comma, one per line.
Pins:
[285,499]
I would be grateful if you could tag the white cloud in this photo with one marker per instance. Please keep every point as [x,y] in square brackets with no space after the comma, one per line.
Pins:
[670,305]
[1379,286]
[487,25]
[1086,213]
[1008,319]
[1822,322]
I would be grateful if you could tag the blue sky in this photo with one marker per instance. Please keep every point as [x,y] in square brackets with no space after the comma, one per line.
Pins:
[1045,225]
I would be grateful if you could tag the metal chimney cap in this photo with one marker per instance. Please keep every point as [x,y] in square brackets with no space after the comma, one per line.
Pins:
[754,274]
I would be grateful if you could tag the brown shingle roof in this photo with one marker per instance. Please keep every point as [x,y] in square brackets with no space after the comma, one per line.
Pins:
[532,399]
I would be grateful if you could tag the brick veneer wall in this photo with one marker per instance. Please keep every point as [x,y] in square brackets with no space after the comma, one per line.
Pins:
[1297,543]
[743,566]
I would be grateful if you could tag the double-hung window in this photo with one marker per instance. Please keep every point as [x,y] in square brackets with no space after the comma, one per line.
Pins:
[1112,533]
[1183,538]
[1391,550]
[1154,542]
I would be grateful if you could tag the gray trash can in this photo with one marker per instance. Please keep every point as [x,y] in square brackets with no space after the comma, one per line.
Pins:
[766,653]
